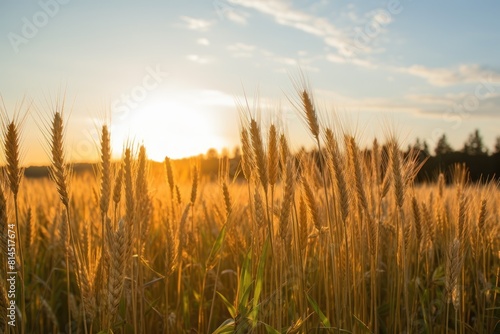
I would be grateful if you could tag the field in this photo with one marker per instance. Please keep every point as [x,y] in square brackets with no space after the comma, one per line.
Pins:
[339,240]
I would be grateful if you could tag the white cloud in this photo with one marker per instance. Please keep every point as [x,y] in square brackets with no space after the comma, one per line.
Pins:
[470,73]
[241,47]
[304,63]
[203,41]
[237,17]
[196,24]
[241,50]
[198,59]
[285,15]
[368,104]
[335,58]
[452,107]
[463,104]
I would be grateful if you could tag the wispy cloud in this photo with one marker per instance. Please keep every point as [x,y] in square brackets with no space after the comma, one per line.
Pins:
[284,14]
[340,39]
[451,107]
[457,104]
[237,17]
[368,104]
[196,24]
[241,50]
[198,59]
[203,41]
[334,58]
[471,73]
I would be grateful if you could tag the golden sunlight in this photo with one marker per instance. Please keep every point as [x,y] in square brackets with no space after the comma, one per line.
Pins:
[168,128]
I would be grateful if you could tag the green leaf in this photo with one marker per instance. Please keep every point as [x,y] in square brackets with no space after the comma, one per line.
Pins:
[230,307]
[243,307]
[260,274]
[271,330]
[226,327]
[324,320]
[216,248]
[245,281]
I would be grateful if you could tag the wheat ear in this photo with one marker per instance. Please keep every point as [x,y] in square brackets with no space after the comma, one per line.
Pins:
[118,253]
[194,186]
[259,153]
[311,115]
[272,155]
[105,171]
[58,169]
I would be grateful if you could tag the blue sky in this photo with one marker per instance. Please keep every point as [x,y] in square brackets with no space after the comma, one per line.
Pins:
[168,73]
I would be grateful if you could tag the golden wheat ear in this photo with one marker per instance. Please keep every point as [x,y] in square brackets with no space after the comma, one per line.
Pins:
[117,244]
[194,187]
[12,145]
[272,155]
[259,153]
[247,157]
[58,170]
[105,167]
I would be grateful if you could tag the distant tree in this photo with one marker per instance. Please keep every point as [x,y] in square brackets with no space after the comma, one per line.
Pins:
[224,153]
[418,145]
[212,153]
[474,145]
[420,148]
[237,152]
[497,145]
[426,148]
[442,146]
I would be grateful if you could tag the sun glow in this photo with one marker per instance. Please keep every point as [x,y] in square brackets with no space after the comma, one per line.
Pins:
[168,128]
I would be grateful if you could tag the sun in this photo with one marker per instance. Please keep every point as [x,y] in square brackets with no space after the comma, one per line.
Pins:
[168,128]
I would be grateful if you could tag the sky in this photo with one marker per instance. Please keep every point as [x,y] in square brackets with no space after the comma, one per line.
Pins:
[171,74]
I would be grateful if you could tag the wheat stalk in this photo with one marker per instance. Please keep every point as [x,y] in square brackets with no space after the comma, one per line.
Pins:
[287,201]
[272,155]
[129,196]
[453,269]
[171,250]
[303,224]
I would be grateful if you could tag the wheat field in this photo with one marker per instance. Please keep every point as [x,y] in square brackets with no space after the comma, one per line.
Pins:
[337,240]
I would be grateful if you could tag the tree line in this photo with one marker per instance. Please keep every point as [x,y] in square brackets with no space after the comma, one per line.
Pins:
[482,164]
[474,155]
